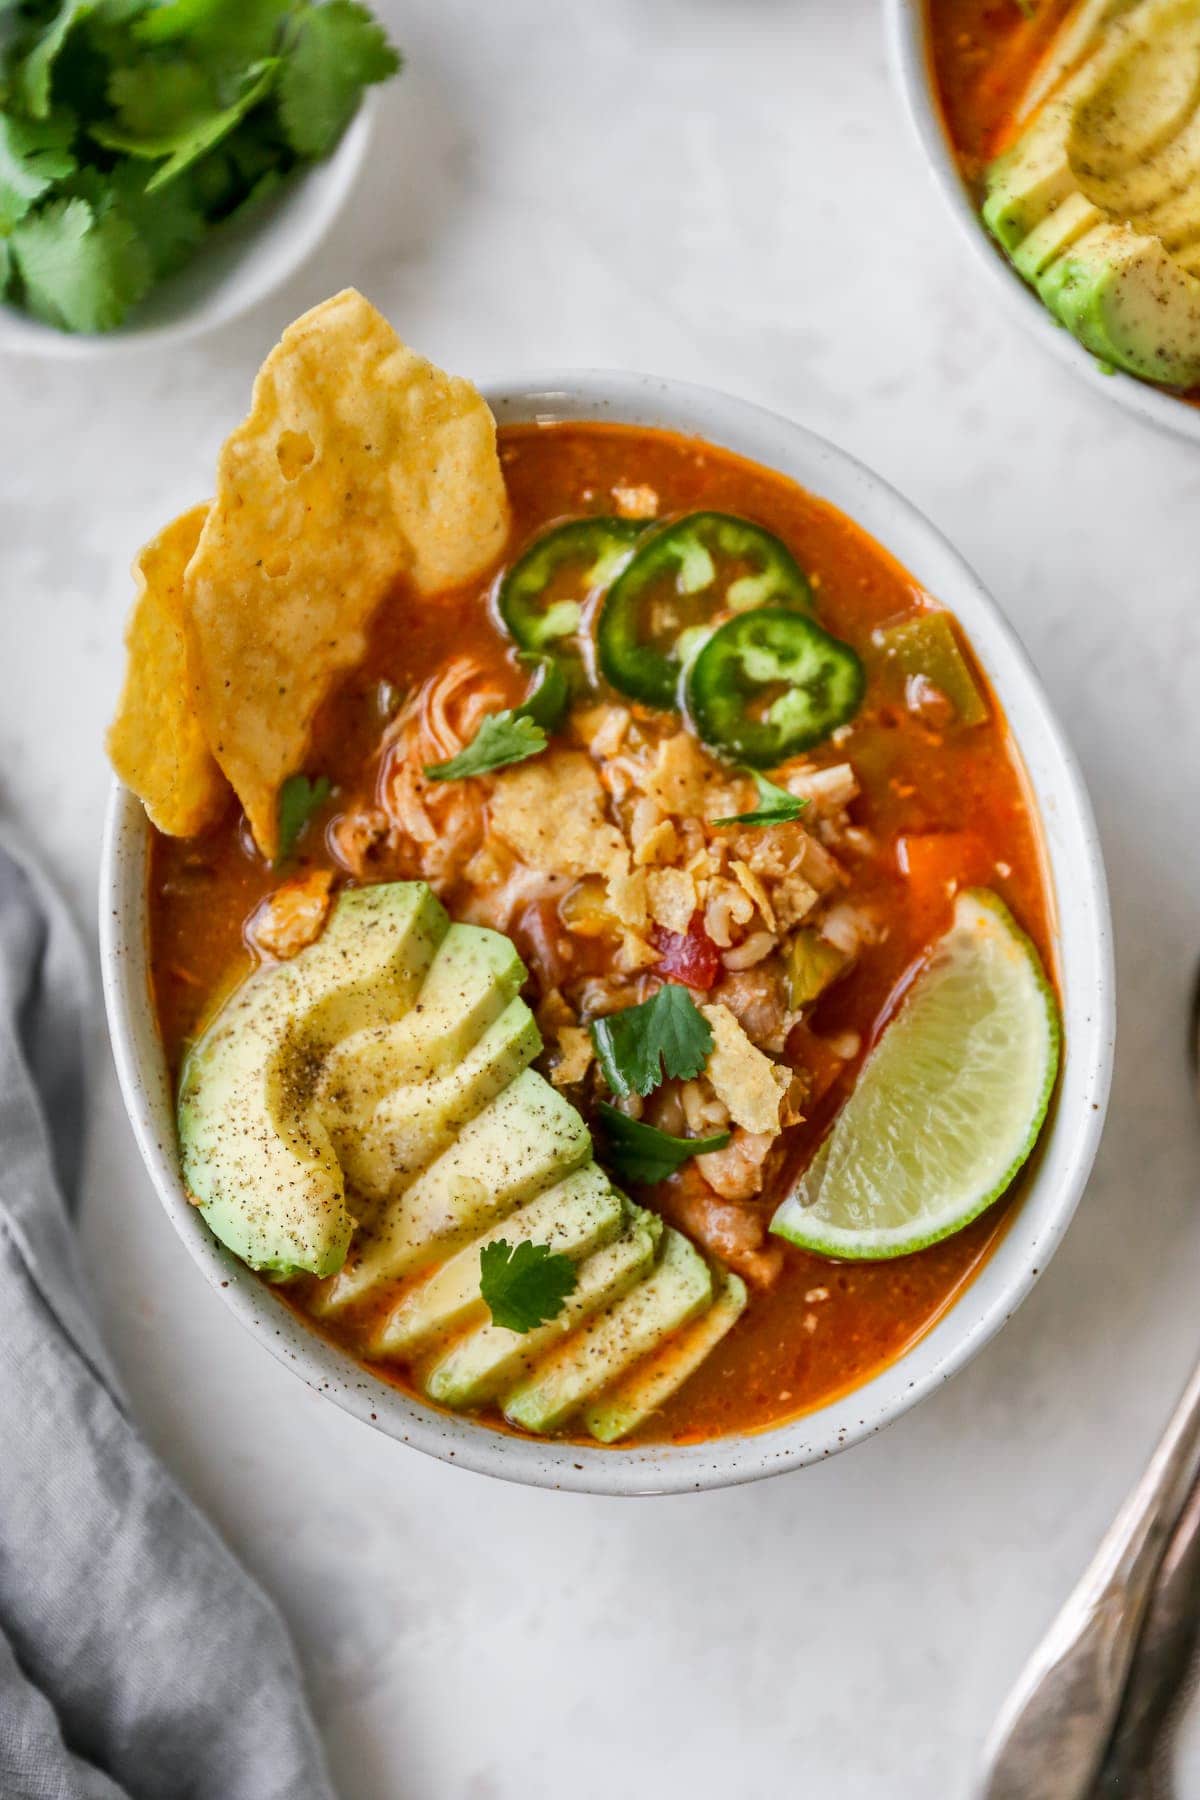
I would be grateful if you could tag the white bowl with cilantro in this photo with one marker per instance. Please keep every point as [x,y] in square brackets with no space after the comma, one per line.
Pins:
[164,168]
[994,972]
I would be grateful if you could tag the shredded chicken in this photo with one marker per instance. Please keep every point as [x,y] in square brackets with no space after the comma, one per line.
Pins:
[292,917]
[440,823]
[735,1233]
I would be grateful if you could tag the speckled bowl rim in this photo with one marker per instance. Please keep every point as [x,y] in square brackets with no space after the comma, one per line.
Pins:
[1085,954]
[908,47]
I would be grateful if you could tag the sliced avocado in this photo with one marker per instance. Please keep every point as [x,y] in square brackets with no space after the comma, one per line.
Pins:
[526,1139]
[1028,181]
[255,1152]
[630,1402]
[1056,233]
[1139,99]
[1130,303]
[1176,219]
[490,1358]
[573,1218]
[382,1153]
[674,1293]
[473,977]
[1103,184]
[1077,39]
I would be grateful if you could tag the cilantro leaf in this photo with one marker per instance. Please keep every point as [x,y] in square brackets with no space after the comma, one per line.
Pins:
[643,1153]
[34,154]
[79,269]
[32,74]
[185,138]
[168,221]
[665,1035]
[776,806]
[224,34]
[503,738]
[158,100]
[334,51]
[299,799]
[525,1286]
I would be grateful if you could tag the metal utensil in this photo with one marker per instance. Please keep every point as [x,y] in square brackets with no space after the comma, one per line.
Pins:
[1162,1679]
[1050,1740]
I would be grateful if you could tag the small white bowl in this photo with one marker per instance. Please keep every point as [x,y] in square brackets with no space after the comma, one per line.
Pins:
[1085,959]
[912,63]
[239,265]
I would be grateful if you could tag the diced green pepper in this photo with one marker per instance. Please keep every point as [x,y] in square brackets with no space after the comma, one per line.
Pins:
[684,575]
[812,964]
[927,646]
[769,684]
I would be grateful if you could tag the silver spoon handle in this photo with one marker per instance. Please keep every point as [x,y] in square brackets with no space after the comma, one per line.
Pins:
[1050,1739]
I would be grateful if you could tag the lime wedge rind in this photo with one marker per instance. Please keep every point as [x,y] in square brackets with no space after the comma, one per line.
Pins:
[948,1105]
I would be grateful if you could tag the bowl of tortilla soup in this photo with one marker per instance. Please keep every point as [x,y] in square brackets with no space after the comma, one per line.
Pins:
[605,943]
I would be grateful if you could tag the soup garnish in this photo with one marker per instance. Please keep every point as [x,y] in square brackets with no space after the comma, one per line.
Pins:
[680,580]
[509,1008]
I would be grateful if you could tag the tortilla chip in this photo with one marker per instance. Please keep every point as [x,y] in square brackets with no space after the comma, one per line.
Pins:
[673,900]
[155,742]
[359,462]
[750,1084]
[551,811]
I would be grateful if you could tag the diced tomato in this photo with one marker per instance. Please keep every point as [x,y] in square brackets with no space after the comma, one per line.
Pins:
[690,957]
[937,864]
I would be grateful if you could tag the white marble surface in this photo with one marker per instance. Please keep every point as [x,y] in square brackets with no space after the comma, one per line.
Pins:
[722,190]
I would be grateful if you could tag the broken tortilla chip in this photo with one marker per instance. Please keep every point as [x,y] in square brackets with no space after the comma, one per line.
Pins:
[750,1084]
[360,462]
[155,742]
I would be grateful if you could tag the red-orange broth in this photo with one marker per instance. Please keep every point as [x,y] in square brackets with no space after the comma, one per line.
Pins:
[824,1327]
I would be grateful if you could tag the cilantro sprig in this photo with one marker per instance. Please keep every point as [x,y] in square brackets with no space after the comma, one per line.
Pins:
[517,732]
[643,1153]
[299,799]
[524,1285]
[503,738]
[639,1046]
[130,129]
[775,805]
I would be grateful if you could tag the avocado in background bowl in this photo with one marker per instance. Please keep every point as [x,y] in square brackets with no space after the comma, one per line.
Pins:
[1097,203]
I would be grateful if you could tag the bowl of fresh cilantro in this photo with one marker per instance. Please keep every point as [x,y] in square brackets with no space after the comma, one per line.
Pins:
[164,164]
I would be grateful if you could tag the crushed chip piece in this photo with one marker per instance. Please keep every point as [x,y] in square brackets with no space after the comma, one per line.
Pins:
[359,462]
[750,1084]
[576,1055]
[680,777]
[672,898]
[551,812]
[155,742]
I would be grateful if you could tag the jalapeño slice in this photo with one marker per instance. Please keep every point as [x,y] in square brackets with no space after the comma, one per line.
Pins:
[770,683]
[546,702]
[542,596]
[661,603]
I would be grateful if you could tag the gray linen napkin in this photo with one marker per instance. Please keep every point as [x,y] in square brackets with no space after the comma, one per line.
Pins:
[138,1661]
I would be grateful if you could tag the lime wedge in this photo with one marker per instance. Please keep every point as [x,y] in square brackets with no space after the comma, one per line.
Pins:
[948,1104]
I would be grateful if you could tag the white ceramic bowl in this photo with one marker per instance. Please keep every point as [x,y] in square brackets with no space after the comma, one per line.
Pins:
[241,264]
[1083,939]
[912,63]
